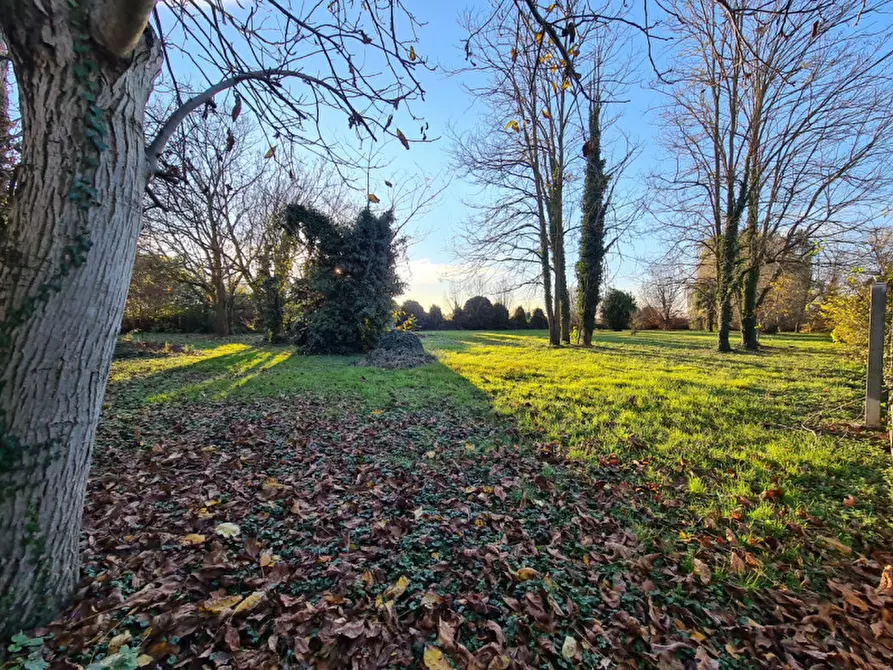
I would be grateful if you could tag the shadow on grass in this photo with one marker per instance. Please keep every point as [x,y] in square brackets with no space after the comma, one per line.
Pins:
[275,371]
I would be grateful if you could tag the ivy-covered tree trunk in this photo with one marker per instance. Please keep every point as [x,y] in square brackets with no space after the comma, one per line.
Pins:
[67,255]
[727,274]
[749,290]
[222,311]
[592,233]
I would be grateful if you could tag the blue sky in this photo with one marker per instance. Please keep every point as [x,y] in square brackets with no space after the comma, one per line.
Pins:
[448,105]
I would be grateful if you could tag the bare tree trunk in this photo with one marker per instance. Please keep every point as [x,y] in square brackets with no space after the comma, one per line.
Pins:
[545,237]
[565,298]
[55,355]
[554,333]
[222,312]
[562,296]
[726,282]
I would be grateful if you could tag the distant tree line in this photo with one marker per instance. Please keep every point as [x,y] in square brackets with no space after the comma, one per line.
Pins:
[478,313]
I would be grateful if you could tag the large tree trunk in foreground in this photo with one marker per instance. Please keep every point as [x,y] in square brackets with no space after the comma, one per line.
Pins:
[54,366]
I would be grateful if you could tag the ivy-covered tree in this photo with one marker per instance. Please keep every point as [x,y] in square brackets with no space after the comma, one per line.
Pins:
[617,307]
[592,229]
[269,297]
[352,278]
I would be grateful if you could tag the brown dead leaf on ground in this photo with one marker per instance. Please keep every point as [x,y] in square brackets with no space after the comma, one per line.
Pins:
[330,539]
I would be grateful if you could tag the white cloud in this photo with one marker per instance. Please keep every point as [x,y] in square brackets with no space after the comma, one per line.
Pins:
[432,283]
[427,281]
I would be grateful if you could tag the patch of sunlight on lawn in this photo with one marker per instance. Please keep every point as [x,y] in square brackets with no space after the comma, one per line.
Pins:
[732,423]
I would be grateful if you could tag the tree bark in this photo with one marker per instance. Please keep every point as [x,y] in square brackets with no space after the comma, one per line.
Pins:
[562,296]
[554,333]
[592,235]
[726,282]
[56,361]
[750,282]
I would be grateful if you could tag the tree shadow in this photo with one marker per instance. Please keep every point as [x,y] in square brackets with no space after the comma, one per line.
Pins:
[258,371]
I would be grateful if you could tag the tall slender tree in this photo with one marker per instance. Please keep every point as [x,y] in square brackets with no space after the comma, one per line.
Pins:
[592,229]
[526,153]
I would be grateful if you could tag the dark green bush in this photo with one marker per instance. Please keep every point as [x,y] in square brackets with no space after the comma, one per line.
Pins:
[617,307]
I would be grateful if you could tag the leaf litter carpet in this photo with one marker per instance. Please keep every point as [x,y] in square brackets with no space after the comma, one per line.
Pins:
[301,532]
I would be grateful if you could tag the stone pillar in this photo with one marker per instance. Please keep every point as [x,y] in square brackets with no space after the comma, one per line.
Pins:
[875,380]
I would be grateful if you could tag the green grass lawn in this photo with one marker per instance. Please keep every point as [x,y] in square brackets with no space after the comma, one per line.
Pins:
[758,439]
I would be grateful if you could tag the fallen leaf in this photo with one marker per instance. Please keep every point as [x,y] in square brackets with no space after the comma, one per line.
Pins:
[119,641]
[773,495]
[738,564]
[227,529]
[446,634]
[250,602]
[836,544]
[217,605]
[702,571]
[161,649]
[525,574]
[192,538]
[431,600]
[569,648]
[435,660]
[886,585]
[398,589]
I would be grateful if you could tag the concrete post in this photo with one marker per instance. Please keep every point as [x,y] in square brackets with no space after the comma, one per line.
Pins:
[875,355]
